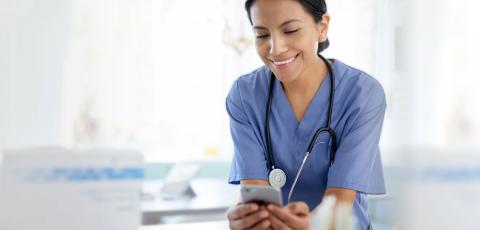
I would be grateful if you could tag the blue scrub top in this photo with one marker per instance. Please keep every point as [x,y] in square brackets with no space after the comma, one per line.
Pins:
[358,113]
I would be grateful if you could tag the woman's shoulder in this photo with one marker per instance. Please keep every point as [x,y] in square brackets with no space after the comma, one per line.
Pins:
[252,85]
[256,79]
[358,86]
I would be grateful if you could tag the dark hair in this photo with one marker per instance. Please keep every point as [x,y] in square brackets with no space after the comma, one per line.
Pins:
[316,8]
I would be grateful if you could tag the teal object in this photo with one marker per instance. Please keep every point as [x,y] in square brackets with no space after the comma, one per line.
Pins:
[218,169]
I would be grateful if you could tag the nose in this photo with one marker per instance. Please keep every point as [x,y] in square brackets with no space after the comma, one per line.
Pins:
[277,45]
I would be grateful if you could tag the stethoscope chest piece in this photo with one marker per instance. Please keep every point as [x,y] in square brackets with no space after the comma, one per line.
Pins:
[277,178]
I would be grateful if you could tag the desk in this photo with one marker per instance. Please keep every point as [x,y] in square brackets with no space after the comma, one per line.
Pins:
[214,196]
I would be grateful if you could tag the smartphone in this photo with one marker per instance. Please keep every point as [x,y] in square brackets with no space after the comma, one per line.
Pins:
[261,194]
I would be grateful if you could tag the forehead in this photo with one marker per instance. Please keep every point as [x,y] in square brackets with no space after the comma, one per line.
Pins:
[271,13]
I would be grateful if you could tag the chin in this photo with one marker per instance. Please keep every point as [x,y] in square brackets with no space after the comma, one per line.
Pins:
[286,77]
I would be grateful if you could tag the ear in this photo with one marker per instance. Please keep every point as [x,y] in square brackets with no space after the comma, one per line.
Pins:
[323,27]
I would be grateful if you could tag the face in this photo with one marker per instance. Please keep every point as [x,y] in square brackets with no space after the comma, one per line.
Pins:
[287,37]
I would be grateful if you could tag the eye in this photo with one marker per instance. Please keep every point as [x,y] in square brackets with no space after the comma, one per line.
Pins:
[261,36]
[291,31]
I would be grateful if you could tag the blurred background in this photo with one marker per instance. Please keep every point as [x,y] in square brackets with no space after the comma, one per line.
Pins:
[153,76]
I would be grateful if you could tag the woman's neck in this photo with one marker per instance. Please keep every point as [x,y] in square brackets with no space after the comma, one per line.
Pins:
[307,84]
[302,91]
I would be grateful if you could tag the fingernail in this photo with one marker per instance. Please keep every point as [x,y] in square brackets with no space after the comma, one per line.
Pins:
[253,207]
[270,207]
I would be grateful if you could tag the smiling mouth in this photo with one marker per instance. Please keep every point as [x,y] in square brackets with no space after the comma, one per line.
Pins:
[281,63]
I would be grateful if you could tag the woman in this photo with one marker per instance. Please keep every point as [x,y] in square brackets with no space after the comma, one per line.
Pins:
[295,102]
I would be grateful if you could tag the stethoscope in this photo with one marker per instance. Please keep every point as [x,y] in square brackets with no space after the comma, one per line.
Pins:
[277,177]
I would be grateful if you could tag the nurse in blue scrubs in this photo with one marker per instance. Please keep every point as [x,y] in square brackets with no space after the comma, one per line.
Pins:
[294,88]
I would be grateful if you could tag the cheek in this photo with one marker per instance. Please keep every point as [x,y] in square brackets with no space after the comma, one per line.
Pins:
[258,48]
[308,42]
[262,49]
[311,47]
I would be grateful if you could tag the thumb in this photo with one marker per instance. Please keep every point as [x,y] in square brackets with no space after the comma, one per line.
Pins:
[298,208]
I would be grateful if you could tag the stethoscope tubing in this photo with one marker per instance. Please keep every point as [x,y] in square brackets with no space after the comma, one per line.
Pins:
[270,157]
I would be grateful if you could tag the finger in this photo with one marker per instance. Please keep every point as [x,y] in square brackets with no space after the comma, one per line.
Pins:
[250,220]
[283,214]
[298,208]
[277,223]
[241,210]
[264,224]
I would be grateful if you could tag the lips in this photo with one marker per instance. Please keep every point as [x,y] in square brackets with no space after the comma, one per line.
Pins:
[284,61]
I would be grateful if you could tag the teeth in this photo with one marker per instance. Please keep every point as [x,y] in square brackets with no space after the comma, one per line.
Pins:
[284,62]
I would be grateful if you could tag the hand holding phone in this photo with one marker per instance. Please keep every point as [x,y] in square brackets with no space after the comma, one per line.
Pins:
[261,194]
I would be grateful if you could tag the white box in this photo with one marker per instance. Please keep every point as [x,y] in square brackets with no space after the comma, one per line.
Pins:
[58,189]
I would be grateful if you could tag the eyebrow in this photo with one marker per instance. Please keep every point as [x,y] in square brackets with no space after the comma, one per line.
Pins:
[281,25]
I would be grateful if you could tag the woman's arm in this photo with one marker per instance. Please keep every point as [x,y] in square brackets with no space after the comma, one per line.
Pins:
[342,195]
[254,182]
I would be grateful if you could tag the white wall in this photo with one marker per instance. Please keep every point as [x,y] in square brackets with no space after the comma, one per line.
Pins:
[443,48]
[32,50]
